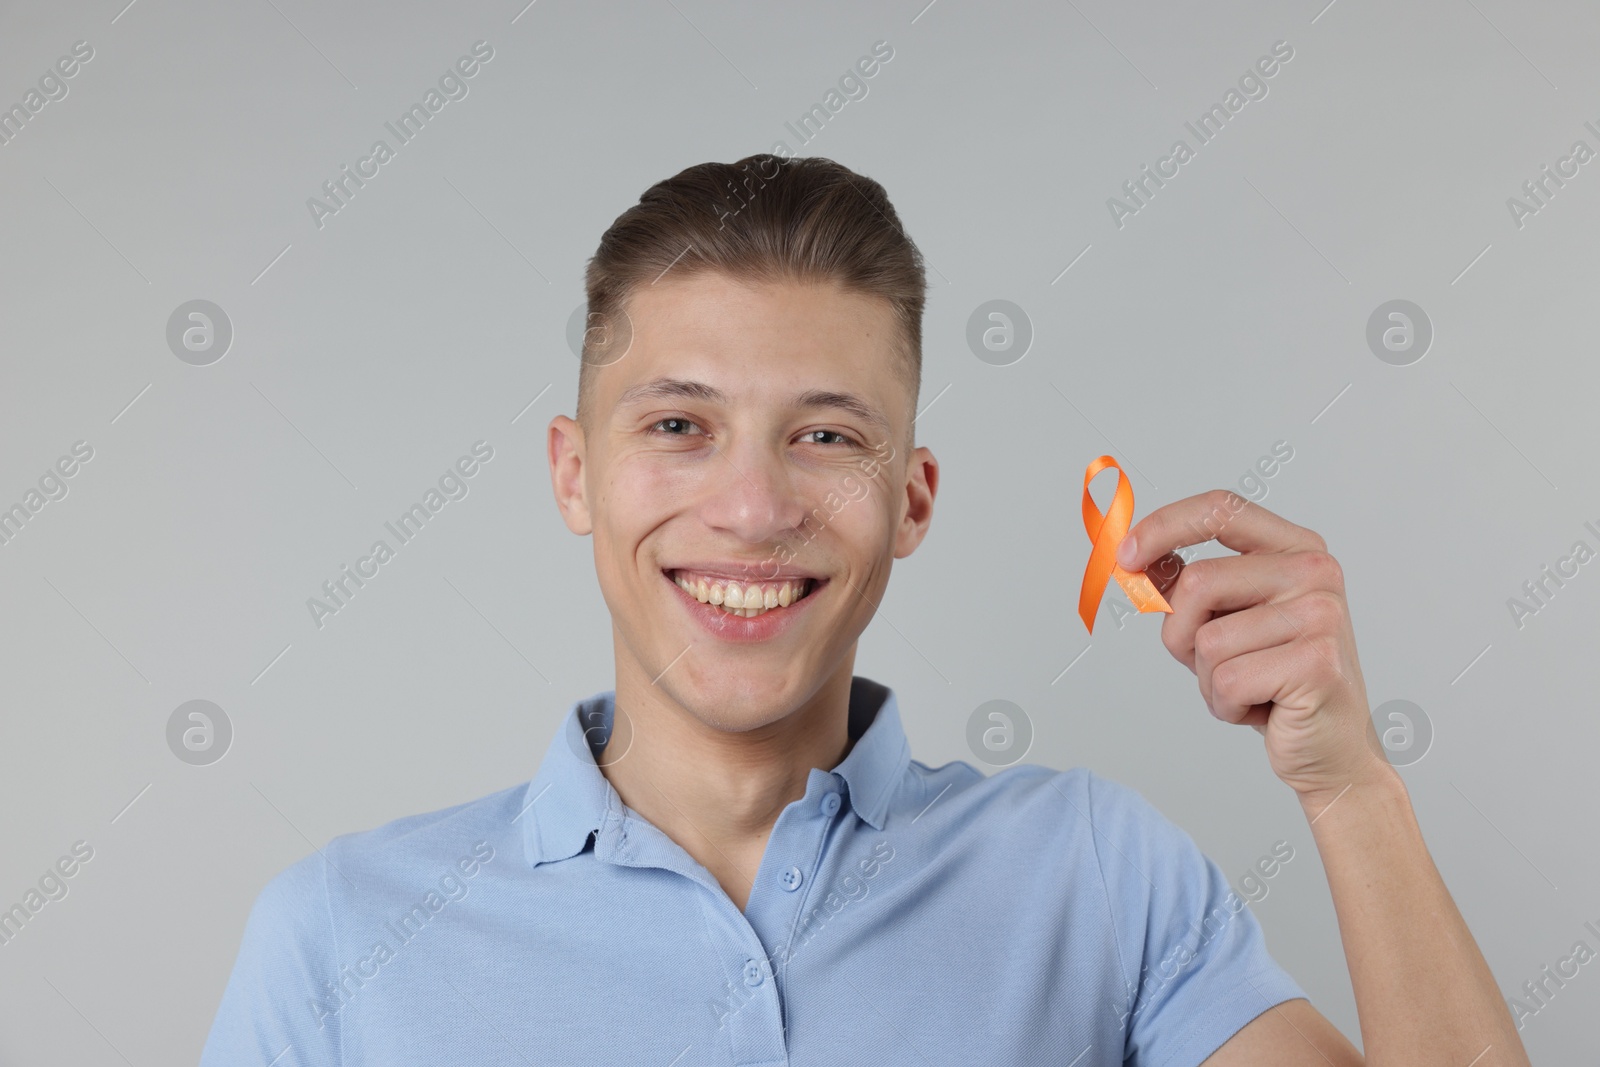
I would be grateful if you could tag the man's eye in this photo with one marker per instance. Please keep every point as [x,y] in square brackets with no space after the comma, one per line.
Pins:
[839,438]
[675,427]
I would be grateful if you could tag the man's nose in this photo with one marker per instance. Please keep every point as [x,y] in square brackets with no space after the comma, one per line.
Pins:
[752,492]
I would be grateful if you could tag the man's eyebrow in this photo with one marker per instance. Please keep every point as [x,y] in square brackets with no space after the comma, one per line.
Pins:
[671,389]
[679,388]
[846,402]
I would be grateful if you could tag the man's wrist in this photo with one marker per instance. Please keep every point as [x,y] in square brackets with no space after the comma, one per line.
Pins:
[1379,784]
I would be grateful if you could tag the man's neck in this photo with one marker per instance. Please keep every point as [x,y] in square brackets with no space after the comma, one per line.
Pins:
[717,793]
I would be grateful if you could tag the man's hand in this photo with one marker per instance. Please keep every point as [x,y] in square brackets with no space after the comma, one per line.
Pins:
[1267,633]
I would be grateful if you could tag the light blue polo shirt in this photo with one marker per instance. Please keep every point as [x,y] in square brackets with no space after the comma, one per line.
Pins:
[902,914]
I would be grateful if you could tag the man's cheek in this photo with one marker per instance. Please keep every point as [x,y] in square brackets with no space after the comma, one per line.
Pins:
[867,526]
[643,490]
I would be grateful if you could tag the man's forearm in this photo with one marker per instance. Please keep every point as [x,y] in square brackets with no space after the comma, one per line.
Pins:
[1423,991]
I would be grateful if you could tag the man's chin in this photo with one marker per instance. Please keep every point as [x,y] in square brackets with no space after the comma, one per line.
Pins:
[735,698]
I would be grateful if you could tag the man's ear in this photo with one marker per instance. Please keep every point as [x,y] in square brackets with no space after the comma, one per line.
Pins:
[922,482]
[566,447]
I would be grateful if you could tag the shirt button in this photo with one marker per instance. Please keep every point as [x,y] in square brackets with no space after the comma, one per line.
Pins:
[830,805]
[792,878]
[752,973]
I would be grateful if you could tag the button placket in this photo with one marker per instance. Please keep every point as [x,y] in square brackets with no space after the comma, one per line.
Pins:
[750,1015]
[790,863]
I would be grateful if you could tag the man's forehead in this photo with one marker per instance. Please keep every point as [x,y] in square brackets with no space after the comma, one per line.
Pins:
[786,344]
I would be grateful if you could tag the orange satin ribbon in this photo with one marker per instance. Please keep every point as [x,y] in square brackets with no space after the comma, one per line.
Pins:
[1107,532]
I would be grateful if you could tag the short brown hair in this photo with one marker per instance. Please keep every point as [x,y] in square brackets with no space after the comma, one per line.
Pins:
[764,218]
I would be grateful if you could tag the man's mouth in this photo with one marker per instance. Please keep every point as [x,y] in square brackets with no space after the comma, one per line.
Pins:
[743,598]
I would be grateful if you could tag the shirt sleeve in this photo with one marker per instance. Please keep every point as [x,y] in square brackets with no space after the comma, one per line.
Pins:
[281,1005]
[1193,957]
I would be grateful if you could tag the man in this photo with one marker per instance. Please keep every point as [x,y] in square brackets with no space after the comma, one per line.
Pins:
[731,858]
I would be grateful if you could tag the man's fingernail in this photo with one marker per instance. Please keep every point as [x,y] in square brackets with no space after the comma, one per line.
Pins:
[1127,552]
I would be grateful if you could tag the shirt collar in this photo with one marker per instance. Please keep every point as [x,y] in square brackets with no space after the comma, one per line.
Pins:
[569,799]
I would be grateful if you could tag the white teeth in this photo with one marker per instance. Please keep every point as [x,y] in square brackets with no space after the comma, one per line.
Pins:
[747,599]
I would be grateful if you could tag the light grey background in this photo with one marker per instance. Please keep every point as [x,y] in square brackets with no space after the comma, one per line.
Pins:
[1228,314]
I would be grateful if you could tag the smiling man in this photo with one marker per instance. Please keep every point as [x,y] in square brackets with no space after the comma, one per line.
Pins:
[730,857]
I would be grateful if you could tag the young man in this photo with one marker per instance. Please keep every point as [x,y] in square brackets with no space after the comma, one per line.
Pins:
[731,858]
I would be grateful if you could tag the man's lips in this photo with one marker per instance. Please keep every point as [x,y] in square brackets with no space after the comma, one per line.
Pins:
[730,598]
[744,625]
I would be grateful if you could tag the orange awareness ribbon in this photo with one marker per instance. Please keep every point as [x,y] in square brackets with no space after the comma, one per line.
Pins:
[1107,532]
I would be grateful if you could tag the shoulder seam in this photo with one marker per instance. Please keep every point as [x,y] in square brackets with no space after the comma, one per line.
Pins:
[1129,989]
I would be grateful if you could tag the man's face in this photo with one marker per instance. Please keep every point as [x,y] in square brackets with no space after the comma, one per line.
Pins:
[749,445]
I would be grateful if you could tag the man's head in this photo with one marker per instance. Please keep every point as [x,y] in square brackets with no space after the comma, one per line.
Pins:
[745,415]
